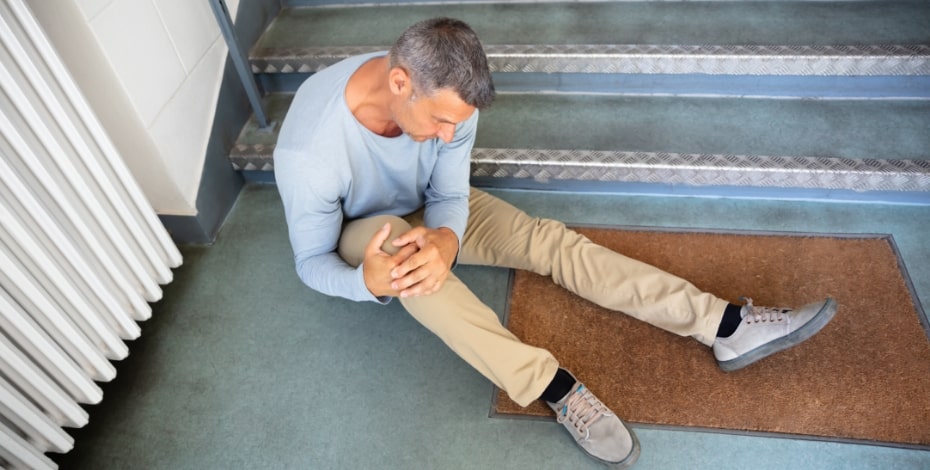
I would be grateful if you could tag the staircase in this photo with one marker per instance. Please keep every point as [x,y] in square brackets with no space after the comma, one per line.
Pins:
[787,99]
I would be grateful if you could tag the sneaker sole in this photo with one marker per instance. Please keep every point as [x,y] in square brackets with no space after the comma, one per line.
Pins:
[800,335]
[629,460]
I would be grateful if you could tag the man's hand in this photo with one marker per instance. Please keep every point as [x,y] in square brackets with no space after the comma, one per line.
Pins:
[424,272]
[378,265]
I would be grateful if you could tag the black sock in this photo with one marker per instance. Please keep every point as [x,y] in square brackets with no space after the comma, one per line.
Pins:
[561,384]
[730,322]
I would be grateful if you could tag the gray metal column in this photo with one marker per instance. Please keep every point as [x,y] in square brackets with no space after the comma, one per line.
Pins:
[240,60]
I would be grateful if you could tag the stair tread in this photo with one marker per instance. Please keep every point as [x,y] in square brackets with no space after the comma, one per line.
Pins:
[863,38]
[807,144]
[856,129]
[774,127]
[677,23]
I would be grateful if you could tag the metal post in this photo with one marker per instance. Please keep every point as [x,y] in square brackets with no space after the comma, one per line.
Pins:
[241,63]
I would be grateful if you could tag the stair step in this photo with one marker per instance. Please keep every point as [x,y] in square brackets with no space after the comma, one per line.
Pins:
[254,147]
[801,144]
[866,38]
[854,129]
[819,96]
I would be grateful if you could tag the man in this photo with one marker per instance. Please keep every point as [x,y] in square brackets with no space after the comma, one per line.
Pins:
[372,164]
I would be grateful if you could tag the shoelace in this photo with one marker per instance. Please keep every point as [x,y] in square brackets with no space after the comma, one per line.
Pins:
[763,314]
[582,409]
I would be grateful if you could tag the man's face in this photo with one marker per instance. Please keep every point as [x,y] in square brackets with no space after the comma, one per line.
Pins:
[426,117]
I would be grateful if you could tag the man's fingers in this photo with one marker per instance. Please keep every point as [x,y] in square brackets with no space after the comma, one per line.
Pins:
[426,286]
[420,268]
[419,261]
[378,239]
[410,278]
[408,237]
[405,252]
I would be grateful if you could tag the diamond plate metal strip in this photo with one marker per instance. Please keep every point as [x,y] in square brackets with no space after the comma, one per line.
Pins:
[304,59]
[651,59]
[672,168]
[252,157]
[703,169]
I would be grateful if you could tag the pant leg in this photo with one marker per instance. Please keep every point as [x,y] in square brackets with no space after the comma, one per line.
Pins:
[499,234]
[463,322]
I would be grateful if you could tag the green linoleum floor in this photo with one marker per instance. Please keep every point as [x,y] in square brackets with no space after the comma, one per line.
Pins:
[241,366]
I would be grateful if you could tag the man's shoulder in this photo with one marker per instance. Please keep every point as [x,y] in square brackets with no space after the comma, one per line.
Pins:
[318,109]
[335,76]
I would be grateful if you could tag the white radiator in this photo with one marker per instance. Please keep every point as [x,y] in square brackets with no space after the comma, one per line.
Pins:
[82,253]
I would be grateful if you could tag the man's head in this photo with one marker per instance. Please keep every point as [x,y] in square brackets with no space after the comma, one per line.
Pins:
[444,53]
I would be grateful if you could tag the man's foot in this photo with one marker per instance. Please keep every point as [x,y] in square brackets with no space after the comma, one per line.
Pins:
[599,433]
[766,330]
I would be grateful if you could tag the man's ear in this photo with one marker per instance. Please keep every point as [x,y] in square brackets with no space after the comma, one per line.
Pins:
[399,81]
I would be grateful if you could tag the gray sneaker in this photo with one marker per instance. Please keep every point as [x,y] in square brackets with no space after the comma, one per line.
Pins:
[766,330]
[598,432]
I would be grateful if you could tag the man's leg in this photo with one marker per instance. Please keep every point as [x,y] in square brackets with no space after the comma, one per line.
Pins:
[463,322]
[499,234]
[526,373]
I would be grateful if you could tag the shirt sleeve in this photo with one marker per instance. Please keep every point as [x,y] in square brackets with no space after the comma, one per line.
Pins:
[447,192]
[313,211]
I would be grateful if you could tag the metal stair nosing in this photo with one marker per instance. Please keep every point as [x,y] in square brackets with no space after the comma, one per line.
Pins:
[697,170]
[838,60]
[703,170]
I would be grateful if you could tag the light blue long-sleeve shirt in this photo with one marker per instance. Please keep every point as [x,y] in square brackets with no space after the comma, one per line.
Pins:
[329,168]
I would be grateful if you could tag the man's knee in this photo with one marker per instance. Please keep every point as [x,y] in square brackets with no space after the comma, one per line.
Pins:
[357,234]
[399,226]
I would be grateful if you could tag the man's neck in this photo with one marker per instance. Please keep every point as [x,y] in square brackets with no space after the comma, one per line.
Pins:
[367,96]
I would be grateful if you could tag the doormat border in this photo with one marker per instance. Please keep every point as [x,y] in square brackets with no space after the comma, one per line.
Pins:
[918,307]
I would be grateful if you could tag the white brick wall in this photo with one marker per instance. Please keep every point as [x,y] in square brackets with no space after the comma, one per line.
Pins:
[168,56]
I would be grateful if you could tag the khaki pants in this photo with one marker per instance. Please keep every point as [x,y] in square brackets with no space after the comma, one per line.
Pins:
[499,234]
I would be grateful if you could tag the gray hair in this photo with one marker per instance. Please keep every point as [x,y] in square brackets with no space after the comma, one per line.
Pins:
[445,53]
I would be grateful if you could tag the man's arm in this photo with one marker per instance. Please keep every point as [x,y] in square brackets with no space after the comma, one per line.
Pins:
[314,218]
[445,218]
[448,189]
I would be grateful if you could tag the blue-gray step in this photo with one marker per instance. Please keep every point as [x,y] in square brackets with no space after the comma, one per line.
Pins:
[669,93]
[610,142]
[861,38]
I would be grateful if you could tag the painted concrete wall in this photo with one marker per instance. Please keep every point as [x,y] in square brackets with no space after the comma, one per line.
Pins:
[151,69]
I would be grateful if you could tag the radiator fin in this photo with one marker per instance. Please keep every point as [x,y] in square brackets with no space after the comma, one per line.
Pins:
[82,253]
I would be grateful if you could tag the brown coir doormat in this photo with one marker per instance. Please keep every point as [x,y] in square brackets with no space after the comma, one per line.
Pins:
[865,376]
